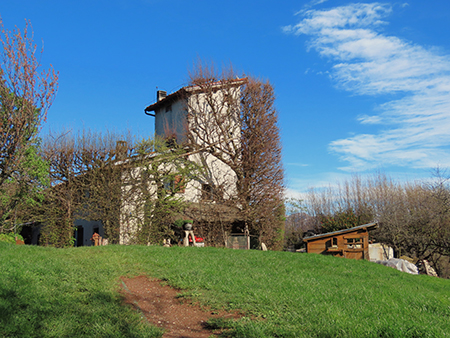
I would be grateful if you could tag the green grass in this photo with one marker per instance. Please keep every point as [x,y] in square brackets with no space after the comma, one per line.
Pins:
[47,292]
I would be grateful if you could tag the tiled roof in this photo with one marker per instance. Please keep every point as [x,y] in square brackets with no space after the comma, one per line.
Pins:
[183,91]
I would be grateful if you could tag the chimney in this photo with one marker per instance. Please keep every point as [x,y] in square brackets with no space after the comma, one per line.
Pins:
[160,95]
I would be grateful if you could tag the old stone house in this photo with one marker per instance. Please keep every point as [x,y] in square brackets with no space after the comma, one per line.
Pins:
[181,118]
[176,117]
[210,197]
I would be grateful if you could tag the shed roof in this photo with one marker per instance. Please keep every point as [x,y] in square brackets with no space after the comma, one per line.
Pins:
[368,227]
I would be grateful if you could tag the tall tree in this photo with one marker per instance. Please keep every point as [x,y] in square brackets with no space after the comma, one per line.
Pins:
[235,118]
[153,182]
[86,183]
[262,186]
[133,188]
[26,94]
[414,217]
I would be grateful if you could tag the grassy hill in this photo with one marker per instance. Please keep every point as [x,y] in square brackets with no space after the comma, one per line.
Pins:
[47,292]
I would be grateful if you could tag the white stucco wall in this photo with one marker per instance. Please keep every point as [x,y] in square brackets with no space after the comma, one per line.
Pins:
[210,124]
[172,121]
[217,171]
[206,123]
[176,120]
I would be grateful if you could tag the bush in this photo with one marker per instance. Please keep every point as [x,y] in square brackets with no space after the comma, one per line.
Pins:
[10,238]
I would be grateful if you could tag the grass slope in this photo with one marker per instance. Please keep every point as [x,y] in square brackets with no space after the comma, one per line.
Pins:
[47,292]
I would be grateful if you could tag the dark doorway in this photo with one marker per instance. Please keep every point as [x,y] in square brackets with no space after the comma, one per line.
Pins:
[31,233]
[79,236]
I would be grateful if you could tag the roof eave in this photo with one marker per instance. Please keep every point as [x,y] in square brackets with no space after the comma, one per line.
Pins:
[364,226]
[188,90]
[168,99]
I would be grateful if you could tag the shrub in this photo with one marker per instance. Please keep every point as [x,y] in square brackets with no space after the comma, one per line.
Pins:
[10,238]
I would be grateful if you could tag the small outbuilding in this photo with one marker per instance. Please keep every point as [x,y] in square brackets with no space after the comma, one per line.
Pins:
[350,243]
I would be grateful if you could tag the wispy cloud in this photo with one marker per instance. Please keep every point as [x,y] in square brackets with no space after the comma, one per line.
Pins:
[366,119]
[299,186]
[313,3]
[297,164]
[291,193]
[366,61]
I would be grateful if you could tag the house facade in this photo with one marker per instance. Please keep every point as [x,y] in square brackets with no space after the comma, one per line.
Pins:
[198,120]
[194,120]
[191,116]
[191,120]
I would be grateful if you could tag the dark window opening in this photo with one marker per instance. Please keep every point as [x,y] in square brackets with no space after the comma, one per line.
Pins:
[174,185]
[171,142]
[211,193]
[207,192]
[168,185]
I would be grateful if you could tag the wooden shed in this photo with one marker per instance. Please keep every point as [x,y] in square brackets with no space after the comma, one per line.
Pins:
[350,243]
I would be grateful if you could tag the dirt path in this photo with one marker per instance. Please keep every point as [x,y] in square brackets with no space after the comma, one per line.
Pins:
[161,307]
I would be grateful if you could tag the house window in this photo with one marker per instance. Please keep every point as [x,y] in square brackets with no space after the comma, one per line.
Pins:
[168,108]
[334,242]
[179,184]
[207,192]
[175,185]
[354,243]
[211,193]
[168,185]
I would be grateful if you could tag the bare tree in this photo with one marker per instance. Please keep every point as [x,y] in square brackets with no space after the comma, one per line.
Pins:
[414,217]
[342,206]
[62,198]
[133,188]
[236,120]
[262,186]
[85,183]
[298,224]
[26,94]
[154,180]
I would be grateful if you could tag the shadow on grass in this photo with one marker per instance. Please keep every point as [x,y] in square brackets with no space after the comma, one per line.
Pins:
[41,297]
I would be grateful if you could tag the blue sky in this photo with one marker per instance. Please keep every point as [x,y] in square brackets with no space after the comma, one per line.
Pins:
[361,86]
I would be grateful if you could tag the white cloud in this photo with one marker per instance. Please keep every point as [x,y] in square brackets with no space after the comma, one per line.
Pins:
[297,164]
[366,119]
[314,3]
[299,186]
[356,15]
[291,193]
[367,62]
